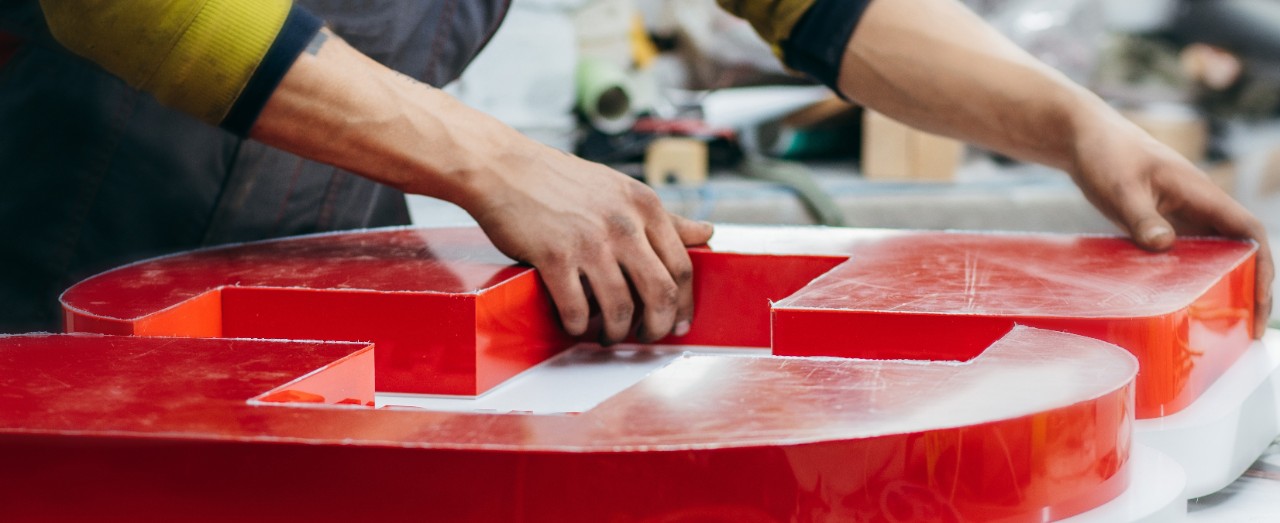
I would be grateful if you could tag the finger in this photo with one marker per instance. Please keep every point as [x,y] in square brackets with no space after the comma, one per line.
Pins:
[1232,220]
[1247,227]
[1184,227]
[692,232]
[657,290]
[1265,277]
[565,286]
[1138,214]
[1227,217]
[670,248]
[614,297]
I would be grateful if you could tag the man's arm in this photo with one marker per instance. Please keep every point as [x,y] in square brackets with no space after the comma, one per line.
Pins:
[593,233]
[580,223]
[217,60]
[934,65]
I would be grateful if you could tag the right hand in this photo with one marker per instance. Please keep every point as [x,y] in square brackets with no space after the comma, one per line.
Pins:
[594,235]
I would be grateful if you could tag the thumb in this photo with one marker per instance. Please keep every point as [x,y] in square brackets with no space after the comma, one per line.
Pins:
[1137,213]
[1151,231]
[692,232]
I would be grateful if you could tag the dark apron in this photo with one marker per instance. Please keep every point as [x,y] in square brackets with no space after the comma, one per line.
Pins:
[94,174]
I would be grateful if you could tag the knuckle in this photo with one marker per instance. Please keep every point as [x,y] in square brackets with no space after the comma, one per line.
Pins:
[620,225]
[662,301]
[644,197]
[682,272]
[593,251]
[573,313]
[621,312]
[669,295]
[556,258]
[637,190]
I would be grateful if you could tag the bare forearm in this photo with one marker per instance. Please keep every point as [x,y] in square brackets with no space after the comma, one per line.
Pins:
[583,225]
[936,66]
[340,107]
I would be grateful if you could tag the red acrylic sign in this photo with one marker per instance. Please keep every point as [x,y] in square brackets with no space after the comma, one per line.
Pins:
[986,422]
[170,429]
[451,315]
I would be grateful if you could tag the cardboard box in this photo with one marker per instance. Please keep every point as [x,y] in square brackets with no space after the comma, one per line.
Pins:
[682,161]
[894,151]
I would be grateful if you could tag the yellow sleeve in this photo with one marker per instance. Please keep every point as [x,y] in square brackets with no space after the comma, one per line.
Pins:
[193,55]
[773,19]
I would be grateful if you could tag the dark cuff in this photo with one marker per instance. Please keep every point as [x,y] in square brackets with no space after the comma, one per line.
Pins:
[819,38]
[298,30]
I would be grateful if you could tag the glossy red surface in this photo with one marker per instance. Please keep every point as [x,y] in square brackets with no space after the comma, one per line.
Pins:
[986,424]
[451,315]
[448,312]
[1185,314]
[178,429]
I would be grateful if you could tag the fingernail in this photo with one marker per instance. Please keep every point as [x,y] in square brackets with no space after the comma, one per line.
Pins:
[1155,233]
[682,328]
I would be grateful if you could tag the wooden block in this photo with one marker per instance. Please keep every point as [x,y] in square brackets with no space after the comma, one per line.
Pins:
[934,157]
[894,151]
[679,160]
[885,146]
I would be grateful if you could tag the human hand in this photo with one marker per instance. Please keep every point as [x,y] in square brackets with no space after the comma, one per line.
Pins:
[1155,194]
[594,235]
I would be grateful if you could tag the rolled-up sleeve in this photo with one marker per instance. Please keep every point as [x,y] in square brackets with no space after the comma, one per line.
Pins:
[217,60]
[809,35]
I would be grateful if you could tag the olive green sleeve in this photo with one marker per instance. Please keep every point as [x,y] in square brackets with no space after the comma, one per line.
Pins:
[773,19]
[192,55]
[810,36]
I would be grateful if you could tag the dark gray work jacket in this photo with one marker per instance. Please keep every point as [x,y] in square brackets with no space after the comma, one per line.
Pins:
[94,174]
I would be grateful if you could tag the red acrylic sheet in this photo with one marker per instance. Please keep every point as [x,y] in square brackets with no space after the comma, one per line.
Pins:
[451,315]
[1185,314]
[447,311]
[1035,428]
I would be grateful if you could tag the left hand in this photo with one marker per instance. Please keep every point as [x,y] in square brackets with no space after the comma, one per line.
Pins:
[1155,194]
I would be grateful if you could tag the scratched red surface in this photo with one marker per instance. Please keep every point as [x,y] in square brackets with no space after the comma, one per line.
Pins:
[990,422]
[451,315]
[428,299]
[179,429]
[1185,314]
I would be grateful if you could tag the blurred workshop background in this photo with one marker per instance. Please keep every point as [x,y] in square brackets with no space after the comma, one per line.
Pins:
[689,99]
